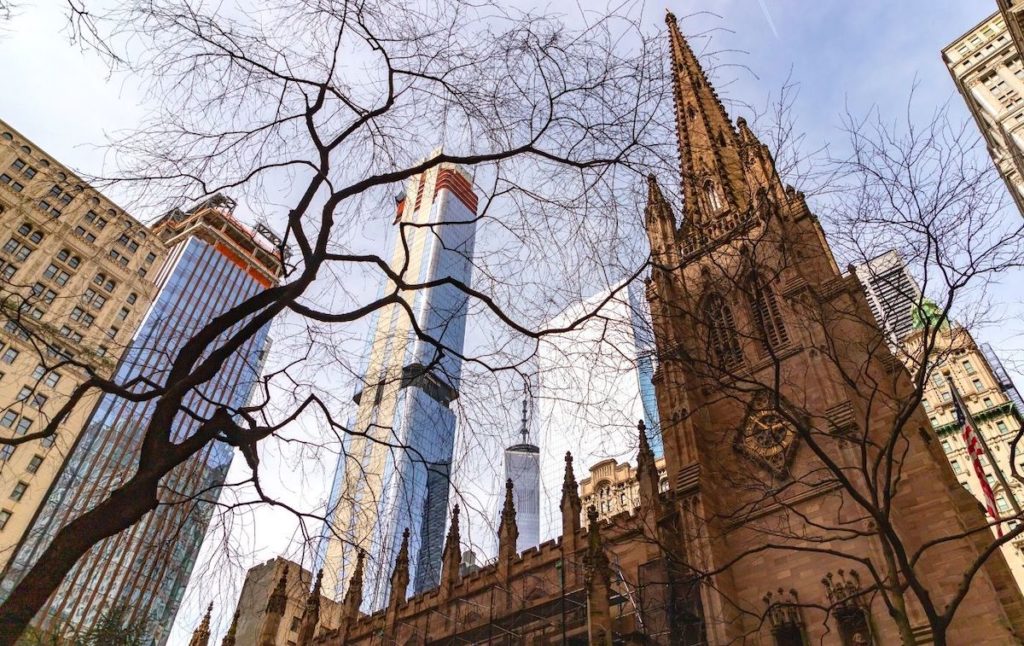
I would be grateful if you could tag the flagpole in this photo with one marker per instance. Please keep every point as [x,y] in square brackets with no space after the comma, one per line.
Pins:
[969,420]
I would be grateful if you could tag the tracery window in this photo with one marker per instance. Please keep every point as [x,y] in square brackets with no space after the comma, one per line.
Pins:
[767,315]
[712,197]
[722,338]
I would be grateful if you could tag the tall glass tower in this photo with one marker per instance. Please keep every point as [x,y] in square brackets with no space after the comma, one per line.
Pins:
[522,467]
[213,264]
[394,472]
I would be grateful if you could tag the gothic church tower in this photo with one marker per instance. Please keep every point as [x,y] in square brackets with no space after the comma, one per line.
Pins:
[774,384]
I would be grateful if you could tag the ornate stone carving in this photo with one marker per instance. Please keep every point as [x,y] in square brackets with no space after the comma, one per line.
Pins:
[783,613]
[768,439]
[849,607]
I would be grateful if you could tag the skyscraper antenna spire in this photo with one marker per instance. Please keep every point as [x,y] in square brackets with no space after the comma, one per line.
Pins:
[524,430]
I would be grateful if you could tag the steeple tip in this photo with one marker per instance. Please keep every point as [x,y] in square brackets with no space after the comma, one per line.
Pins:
[670,18]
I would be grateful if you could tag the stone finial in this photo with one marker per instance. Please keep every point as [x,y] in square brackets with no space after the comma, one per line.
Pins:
[647,476]
[353,597]
[570,489]
[311,612]
[354,594]
[231,635]
[201,635]
[508,530]
[400,575]
[571,506]
[451,558]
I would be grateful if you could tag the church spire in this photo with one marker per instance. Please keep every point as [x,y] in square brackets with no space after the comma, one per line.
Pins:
[713,183]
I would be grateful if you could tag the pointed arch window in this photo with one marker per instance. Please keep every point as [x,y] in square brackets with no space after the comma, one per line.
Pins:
[767,315]
[723,341]
[712,198]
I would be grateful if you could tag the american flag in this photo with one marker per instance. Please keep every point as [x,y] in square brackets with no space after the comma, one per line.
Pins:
[970,435]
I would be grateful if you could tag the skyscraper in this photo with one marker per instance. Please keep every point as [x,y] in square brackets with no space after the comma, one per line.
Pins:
[595,383]
[893,294]
[396,476]
[1002,377]
[986,66]
[522,467]
[80,271]
[213,264]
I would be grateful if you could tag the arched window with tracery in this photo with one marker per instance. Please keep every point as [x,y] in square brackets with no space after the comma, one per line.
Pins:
[722,338]
[767,315]
[711,197]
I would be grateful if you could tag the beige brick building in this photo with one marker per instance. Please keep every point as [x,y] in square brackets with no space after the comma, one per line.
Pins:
[612,488]
[986,66]
[993,411]
[76,276]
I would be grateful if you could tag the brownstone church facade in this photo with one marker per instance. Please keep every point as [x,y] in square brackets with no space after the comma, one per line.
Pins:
[804,490]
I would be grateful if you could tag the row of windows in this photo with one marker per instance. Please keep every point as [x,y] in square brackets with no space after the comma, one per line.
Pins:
[20,424]
[36,461]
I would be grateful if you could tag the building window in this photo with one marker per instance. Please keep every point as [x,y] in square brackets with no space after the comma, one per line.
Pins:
[767,315]
[957,469]
[712,198]
[946,446]
[722,338]
[978,387]
[937,379]
[132,298]
[34,463]
[926,405]
[23,425]
[1001,427]
[48,441]
[19,491]
[968,367]
[9,356]
[987,401]
[6,451]
[4,517]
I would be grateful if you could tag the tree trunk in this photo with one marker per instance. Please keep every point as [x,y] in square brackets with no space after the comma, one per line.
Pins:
[122,509]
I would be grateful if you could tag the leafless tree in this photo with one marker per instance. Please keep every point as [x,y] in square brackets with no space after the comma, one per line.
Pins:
[336,104]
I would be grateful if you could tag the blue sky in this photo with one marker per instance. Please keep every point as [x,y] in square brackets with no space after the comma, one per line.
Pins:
[841,54]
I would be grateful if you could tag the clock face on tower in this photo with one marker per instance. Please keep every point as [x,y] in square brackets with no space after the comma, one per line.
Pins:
[768,437]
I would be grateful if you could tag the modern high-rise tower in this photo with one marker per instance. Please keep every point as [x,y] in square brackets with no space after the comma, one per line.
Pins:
[595,384]
[893,294]
[522,467]
[213,263]
[394,473]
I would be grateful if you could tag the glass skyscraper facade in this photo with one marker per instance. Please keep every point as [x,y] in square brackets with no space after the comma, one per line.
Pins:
[395,474]
[213,265]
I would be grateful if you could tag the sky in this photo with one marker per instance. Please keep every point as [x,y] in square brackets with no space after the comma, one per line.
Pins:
[842,55]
